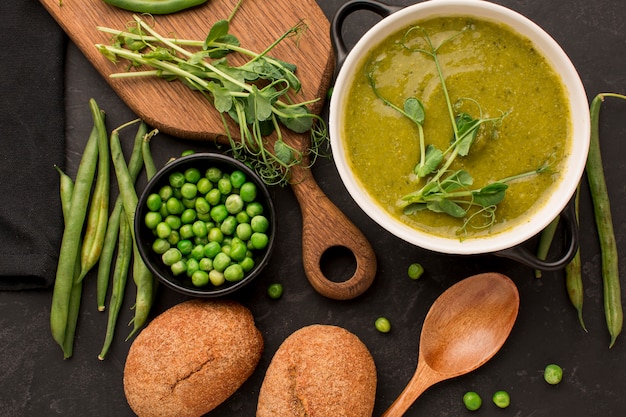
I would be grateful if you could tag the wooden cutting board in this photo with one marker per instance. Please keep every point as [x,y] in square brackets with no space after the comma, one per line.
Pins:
[176,110]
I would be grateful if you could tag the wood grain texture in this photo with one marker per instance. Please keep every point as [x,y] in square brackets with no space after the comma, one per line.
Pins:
[174,109]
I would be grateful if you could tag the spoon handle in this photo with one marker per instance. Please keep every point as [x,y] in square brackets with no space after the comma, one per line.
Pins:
[423,378]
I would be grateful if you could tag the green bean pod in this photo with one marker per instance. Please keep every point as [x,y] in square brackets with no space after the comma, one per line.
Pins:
[98,216]
[66,191]
[111,238]
[545,242]
[141,274]
[71,240]
[573,275]
[155,6]
[120,276]
[602,212]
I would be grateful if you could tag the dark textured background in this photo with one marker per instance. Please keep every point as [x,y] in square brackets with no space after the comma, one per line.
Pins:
[36,381]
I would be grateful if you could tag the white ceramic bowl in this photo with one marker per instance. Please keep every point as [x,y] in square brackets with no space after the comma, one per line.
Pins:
[534,222]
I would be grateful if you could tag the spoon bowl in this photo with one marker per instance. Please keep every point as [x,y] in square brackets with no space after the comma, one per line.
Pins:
[464,328]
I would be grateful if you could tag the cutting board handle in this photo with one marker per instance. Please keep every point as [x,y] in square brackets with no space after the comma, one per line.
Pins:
[324,226]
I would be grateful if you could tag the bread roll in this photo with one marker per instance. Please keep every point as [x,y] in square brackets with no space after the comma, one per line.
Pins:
[319,371]
[191,358]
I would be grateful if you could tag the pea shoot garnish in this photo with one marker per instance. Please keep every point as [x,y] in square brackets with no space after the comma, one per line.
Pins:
[254,94]
[445,190]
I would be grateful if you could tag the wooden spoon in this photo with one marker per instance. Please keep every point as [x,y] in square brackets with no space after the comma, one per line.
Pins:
[177,110]
[463,329]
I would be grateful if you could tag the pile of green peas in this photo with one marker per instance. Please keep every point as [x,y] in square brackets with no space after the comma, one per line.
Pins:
[208,225]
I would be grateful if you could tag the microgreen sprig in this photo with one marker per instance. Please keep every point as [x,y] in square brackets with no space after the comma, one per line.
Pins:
[254,94]
[448,191]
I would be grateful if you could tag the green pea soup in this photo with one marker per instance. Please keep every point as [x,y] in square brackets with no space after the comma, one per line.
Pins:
[488,69]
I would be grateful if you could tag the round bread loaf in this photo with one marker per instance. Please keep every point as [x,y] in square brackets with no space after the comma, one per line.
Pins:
[191,358]
[319,371]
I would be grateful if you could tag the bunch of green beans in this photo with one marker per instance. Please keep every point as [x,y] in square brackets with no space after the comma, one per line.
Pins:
[93,236]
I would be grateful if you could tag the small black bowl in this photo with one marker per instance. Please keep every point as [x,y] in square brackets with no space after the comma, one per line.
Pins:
[146,237]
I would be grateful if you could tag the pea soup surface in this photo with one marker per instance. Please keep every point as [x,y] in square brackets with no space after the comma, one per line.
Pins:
[487,68]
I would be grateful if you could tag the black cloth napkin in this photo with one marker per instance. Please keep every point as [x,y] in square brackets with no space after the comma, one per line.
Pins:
[31,142]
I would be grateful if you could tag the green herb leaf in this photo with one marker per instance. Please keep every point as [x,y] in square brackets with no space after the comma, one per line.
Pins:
[219,29]
[457,180]
[283,152]
[467,128]
[451,208]
[296,118]
[490,195]
[414,110]
[433,159]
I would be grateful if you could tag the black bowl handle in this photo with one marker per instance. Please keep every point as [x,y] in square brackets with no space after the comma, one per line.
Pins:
[525,257]
[341,51]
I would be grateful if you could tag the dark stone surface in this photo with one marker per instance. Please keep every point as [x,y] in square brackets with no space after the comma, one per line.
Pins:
[36,381]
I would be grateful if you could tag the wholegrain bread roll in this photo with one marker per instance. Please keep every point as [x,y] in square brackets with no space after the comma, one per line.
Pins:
[319,371]
[191,358]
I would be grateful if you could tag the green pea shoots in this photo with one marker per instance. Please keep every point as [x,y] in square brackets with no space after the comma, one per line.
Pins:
[445,190]
[253,94]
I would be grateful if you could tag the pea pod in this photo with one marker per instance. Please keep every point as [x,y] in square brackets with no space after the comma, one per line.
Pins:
[155,6]
[106,258]
[573,275]
[70,243]
[98,216]
[602,212]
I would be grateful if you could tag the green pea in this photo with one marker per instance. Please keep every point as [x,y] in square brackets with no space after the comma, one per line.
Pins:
[224,186]
[214,197]
[415,271]
[221,261]
[204,185]
[171,256]
[188,216]
[216,277]
[192,175]
[243,231]
[219,213]
[192,266]
[247,264]
[205,217]
[233,273]
[383,325]
[226,248]
[189,190]
[163,230]
[163,210]
[229,225]
[234,203]
[200,278]
[205,264]
[237,178]
[202,206]
[153,202]
[185,246]
[160,246]
[275,291]
[197,252]
[259,240]
[472,400]
[189,203]
[199,228]
[213,174]
[174,206]
[179,268]
[176,179]
[238,250]
[242,217]
[201,240]
[216,235]
[166,192]
[211,249]
[187,152]
[177,194]
[259,224]
[254,209]
[553,374]
[174,221]
[501,399]
[174,237]
[152,219]
[248,192]
[186,231]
